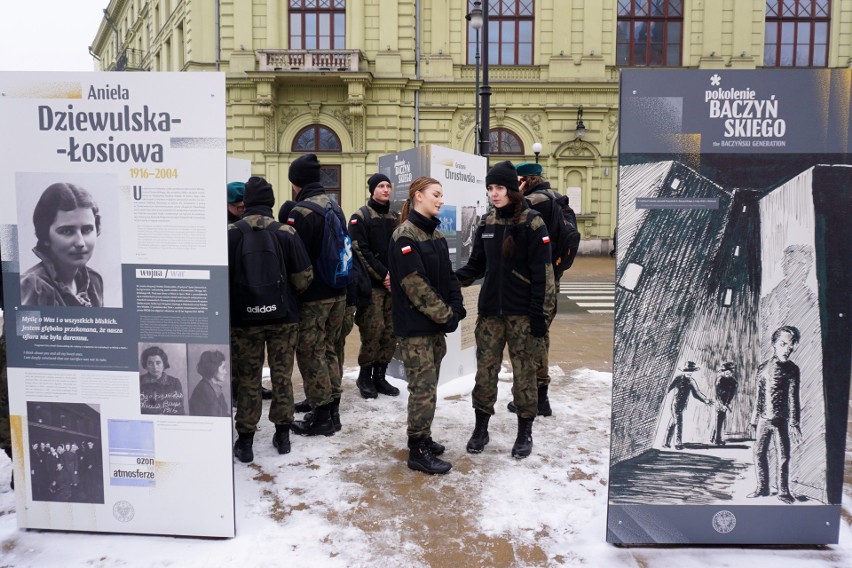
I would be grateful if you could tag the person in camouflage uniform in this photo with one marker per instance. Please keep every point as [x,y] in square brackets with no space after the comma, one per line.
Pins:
[371,228]
[322,309]
[427,303]
[278,336]
[511,251]
[539,196]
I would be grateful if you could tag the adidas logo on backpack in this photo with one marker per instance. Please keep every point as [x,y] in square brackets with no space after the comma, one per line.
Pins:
[259,278]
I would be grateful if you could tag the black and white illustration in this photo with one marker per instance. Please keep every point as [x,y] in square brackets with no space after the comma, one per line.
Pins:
[68,235]
[732,354]
[209,380]
[65,452]
[162,378]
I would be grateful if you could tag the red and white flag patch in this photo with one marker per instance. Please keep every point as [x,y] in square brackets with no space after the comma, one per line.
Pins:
[545,239]
[291,221]
[353,222]
[406,249]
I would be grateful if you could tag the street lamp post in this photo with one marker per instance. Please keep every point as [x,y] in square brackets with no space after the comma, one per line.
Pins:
[536,147]
[485,90]
[475,19]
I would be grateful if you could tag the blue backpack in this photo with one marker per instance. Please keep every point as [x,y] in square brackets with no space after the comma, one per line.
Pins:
[334,265]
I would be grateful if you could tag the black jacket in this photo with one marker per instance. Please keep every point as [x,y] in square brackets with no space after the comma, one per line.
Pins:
[371,228]
[540,199]
[425,293]
[310,226]
[513,286]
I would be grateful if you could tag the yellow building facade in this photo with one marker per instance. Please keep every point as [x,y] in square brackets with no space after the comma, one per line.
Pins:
[357,79]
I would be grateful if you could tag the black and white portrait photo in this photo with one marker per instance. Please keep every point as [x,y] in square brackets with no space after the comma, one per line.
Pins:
[65,452]
[69,240]
[162,378]
[209,380]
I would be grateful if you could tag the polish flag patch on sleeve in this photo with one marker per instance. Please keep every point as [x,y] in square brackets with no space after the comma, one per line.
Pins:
[291,221]
[545,239]
[406,249]
[353,222]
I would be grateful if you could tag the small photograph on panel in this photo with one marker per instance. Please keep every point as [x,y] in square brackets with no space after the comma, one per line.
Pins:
[209,380]
[65,460]
[162,378]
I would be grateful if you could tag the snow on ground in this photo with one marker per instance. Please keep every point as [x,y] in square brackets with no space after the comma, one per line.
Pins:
[350,500]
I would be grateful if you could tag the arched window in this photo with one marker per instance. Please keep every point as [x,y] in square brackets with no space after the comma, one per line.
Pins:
[317,138]
[505,141]
[317,24]
[796,33]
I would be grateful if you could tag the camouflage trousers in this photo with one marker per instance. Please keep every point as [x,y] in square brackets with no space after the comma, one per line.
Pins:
[247,350]
[320,326]
[5,428]
[348,324]
[422,359]
[492,334]
[542,369]
[376,327]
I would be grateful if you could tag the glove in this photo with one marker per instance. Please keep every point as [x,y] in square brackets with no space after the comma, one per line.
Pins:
[538,325]
[452,323]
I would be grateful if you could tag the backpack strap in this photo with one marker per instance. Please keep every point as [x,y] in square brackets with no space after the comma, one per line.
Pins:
[243,226]
[313,206]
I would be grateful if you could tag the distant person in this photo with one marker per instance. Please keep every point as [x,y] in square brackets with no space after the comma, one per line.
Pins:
[322,308]
[208,396]
[777,412]
[160,393]
[427,303]
[264,317]
[726,390]
[371,228]
[683,386]
[67,225]
[511,252]
[236,205]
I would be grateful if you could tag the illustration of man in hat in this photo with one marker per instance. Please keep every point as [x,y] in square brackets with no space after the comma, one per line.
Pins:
[726,389]
[683,385]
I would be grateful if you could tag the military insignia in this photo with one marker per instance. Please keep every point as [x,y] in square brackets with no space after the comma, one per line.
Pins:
[353,222]
[545,239]
[291,221]
[406,249]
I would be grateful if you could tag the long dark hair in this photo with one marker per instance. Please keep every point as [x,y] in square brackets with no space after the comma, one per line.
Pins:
[60,197]
[419,184]
[517,201]
[209,363]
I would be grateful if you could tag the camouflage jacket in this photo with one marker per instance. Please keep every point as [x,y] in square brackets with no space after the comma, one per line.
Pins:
[424,291]
[371,228]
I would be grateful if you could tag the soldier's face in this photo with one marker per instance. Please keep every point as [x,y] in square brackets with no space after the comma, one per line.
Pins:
[499,195]
[783,346]
[430,200]
[382,192]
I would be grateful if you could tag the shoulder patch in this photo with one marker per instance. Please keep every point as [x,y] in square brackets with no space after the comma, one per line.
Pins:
[291,221]
[406,249]
[545,239]
[353,221]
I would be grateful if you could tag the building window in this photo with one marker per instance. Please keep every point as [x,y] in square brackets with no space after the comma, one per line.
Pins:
[796,33]
[510,33]
[317,24]
[505,141]
[316,138]
[650,33]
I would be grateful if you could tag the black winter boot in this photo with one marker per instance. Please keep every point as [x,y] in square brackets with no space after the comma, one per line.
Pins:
[364,382]
[434,447]
[281,438]
[524,441]
[334,410]
[302,406]
[421,458]
[543,402]
[381,383]
[479,438]
[242,447]
[317,422]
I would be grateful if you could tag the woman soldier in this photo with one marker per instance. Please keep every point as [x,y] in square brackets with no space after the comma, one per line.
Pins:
[426,303]
[512,251]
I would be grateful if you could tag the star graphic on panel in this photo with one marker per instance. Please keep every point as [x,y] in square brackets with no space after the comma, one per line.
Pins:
[715,80]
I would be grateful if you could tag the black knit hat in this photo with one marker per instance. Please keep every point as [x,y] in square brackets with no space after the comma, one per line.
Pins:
[304,170]
[375,180]
[504,174]
[258,193]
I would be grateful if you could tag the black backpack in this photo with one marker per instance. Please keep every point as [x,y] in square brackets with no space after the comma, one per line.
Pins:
[259,282]
[334,264]
[564,235]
